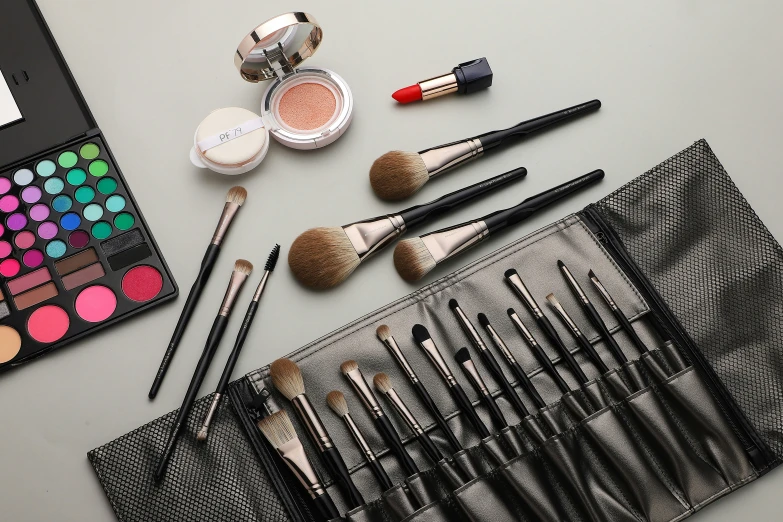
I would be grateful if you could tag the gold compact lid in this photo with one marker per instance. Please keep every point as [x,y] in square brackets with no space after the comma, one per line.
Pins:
[276,47]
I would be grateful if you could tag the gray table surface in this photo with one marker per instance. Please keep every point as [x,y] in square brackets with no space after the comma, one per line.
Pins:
[668,73]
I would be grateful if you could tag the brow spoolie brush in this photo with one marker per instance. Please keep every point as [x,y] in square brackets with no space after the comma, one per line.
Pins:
[239,275]
[416,257]
[538,352]
[384,334]
[593,314]
[287,378]
[354,375]
[339,406]
[519,373]
[580,337]
[621,318]
[426,343]
[399,174]
[324,257]
[238,344]
[471,372]
[489,359]
[280,433]
[234,199]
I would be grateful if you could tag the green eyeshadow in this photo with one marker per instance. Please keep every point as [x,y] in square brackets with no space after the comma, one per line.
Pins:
[84,194]
[101,230]
[76,176]
[45,168]
[99,168]
[124,221]
[54,185]
[89,151]
[107,185]
[67,159]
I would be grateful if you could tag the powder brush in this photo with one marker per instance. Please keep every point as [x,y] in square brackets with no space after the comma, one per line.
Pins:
[234,200]
[398,174]
[324,257]
[416,257]
[621,318]
[581,339]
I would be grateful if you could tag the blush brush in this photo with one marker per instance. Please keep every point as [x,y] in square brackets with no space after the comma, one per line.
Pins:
[398,174]
[324,257]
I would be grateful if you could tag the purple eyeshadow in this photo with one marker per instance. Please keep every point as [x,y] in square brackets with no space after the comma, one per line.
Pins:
[47,230]
[16,221]
[31,194]
[39,212]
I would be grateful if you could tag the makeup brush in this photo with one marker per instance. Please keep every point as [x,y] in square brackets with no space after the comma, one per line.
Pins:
[426,343]
[383,384]
[524,294]
[359,384]
[489,359]
[324,257]
[287,378]
[519,373]
[463,359]
[240,273]
[621,318]
[279,431]
[538,352]
[234,199]
[238,344]
[339,406]
[399,174]
[581,339]
[384,334]
[593,314]
[416,257]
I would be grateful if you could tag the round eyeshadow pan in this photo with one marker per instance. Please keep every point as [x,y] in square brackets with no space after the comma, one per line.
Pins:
[93,212]
[70,221]
[24,239]
[5,185]
[5,249]
[54,185]
[101,230]
[31,194]
[99,168]
[79,239]
[56,249]
[45,168]
[95,303]
[33,258]
[67,159]
[105,185]
[47,230]
[115,203]
[62,203]
[16,221]
[89,151]
[142,283]
[76,176]
[9,267]
[9,203]
[23,177]
[48,324]
[10,343]
[84,194]
[124,221]
[39,212]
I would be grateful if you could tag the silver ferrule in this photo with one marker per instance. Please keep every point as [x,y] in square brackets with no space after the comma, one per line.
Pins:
[208,418]
[229,211]
[564,316]
[369,454]
[440,159]
[501,345]
[529,339]
[608,298]
[232,292]
[469,330]
[315,428]
[394,348]
[261,286]
[451,241]
[293,454]
[360,386]
[474,377]
[580,294]
[373,234]
[404,412]
[437,359]
[524,294]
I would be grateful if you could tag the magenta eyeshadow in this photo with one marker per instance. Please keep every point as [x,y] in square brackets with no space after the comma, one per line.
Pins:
[16,221]
[47,230]
[9,203]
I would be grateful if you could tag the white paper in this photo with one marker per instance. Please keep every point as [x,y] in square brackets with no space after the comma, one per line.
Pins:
[9,111]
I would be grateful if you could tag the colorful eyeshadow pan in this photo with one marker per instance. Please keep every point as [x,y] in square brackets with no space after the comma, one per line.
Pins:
[5,185]
[39,212]
[10,343]
[9,203]
[93,212]
[16,221]
[124,221]
[115,203]
[99,168]
[54,249]
[67,159]
[79,239]
[35,296]
[23,177]
[105,185]
[54,186]
[101,230]
[84,276]
[24,239]
[5,249]
[70,221]
[62,203]
[89,151]
[76,176]
[45,168]
[28,281]
[95,303]
[31,194]
[33,258]
[9,267]
[47,230]
[142,283]
[84,194]
[76,261]
[48,324]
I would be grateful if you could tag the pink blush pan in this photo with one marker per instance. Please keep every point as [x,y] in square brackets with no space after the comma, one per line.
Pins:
[96,303]
[48,324]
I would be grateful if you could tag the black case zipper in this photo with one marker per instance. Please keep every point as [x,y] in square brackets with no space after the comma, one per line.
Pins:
[759,453]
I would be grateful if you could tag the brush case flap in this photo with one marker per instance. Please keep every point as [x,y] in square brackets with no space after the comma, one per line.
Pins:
[654,439]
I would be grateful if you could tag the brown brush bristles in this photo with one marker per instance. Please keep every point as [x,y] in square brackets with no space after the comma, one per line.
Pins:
[337,403]
[322,257]
[287,378]
[236,195]
[382,382]
[277,429]
[243,266]
[383,332]
[398,175]
[349,366]
[552,300]
[412,259]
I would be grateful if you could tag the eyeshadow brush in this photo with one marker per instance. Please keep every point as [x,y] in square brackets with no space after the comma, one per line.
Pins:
[287,378]
[519,373]
[238,344]
[621,318]
[351,371]
[471,372]
[426,343]
[538,352]
[489,359]
[234,199]
[384,334]
[580,337]
[593,314]
[239,275]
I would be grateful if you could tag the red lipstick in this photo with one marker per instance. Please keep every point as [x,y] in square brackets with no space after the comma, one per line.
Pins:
[466,78]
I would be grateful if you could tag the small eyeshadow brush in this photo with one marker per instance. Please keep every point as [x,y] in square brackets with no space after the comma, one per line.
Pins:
[384,334]
[280,432]
[621,318]
[538,352]
[234,200]
[581,339]
[239,275]
[238,344]
[471,372]
[287,378]
[426,343]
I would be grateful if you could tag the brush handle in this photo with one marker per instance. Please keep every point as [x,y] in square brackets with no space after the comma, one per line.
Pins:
[205,270]
[430,448]
[494,368]
[626,324]
[225,377]
[437,415]
[510,216]
[527,384]
[589,349]
[493,139]
[599,324]
[325,506]
[551,333]
[392,439]
[546,363]
[494,410]
[335,463]
[420,213]
[380,473]
[467,408]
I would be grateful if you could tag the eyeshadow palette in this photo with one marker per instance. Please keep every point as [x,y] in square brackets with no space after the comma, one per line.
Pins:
[75,252]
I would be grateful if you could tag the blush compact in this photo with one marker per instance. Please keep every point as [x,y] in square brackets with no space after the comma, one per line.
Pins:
[302,107]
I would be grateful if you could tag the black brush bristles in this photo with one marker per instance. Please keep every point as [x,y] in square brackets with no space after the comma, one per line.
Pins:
[483,321]
[453,304]
[420,333]
[462,355]
[271,261]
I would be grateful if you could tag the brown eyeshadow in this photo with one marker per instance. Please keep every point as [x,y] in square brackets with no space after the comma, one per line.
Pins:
[76,261]
[307,106]
[85,275]
[35,296]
